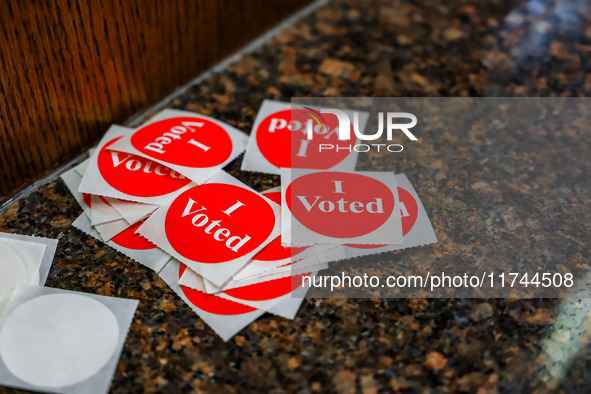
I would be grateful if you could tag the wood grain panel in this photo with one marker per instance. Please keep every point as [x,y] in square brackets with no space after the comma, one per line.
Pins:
[70,68]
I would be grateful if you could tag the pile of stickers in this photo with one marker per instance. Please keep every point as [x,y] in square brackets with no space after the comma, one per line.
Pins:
[158,194]
[54,340]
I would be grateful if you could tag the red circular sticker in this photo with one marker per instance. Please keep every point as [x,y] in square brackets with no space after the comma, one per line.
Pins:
[212,303]
[340,204]
[184,141]
[409,211]
[215,222]
[282,139]
[86,197]
[274,251]
[267,290]
[129,239]
[136,176]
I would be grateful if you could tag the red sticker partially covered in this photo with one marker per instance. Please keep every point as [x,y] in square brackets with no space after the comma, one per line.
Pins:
[129,239]
[184,141]
[86,197]
[282,139]
[212,303]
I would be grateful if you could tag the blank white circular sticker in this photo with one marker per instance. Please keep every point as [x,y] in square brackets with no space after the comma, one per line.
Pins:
[58,340]
[12,268]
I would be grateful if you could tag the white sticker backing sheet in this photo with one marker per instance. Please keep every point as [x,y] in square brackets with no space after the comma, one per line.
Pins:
[81,168]
[72,178]
[281,296]
[416,226]
[191,144]
[129,243]
[278,139]
[256,269]
[25,259]
[337,207]
[132,212]
[266,295]
[215,228]
[211,288]
[196,281]
[102,212]
[128,177]
[62,341]
[111,229]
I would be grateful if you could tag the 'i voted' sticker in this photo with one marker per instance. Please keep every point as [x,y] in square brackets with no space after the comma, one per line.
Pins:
[339,208]
[194,145]
[215,228]
[136,175]
[279,139]
[129,177]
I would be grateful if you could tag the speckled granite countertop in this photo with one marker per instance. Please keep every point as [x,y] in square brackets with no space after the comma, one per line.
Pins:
[373,48]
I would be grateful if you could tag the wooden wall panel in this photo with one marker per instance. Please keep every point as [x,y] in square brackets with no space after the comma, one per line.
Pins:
[70,68]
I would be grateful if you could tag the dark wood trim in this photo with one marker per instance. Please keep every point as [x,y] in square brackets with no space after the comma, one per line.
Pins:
[70,68]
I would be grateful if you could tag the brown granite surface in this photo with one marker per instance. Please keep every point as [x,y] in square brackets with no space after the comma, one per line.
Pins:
[373,48]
